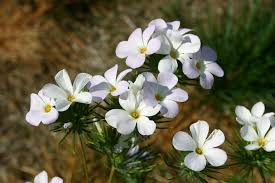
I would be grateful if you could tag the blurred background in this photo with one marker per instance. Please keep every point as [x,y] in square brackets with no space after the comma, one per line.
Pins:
[40,37]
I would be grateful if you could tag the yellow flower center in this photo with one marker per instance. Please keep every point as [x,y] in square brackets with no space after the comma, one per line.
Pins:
[158,97]
[113,89]
[70,98]
[261,142]
[199,151]
[174,54]
[47,108]
[143,50]
[199,65]
[135,114]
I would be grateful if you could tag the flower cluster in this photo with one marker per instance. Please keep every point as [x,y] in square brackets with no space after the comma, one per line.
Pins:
[104,110]
[256,127]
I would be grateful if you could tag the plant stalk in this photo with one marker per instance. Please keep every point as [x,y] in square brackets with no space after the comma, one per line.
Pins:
[111,174]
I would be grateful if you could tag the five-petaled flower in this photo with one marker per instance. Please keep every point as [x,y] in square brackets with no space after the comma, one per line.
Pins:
[42,177]
[203,64]
[162,91]
[111,83]
[139,45]
[260,136]
[246,117]
[66,93]
[41,110]
[176,47]
[202,149]
[134,113]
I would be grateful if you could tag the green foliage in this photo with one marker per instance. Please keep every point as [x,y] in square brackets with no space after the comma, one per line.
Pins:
[245,47]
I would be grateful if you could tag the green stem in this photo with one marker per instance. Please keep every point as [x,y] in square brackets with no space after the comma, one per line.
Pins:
[84,158]
[111,174]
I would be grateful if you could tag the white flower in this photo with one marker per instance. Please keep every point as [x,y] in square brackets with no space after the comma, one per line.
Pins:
[202,149]
[177,47]
[137,85]
[260,136]
[203,64]
[162,91]
[138,46]
[134,113]
[41,110]
[42,177]
[161,26]
[246,117]
[66,93]
[111,83]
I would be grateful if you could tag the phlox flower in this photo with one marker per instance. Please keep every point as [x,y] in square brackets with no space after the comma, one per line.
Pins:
[111,83]
[260,136]
[203,149]
[137,86]
[246,117]
[176,47]
[203,64]
[161,26]
[41,110]
[134,113]
[162,91]
[139,45]
[66,93]
[42,177]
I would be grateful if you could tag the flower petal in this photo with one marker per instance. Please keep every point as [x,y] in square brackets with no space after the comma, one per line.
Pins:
[258,109]
[195,162]
[248,133]
[167,79]
[252,147]
[37,103]
[123,74]
[216,157]
[114,116]
[62,104]
[54,91]
[135,61]
[214,68]
[208,54]
[175,25]
[126,127]
[182,141]
[158,23]
[147,33]
[191,44]
[189,69]
[153,46]
[167,64]
[121,87]
[56,180]
[34,117]
[42,177]
[63,80]
[243,115]
[169,109]
[271,135]
[111,75]
[50,117]
[206,80]
[81,80]
[122,49]
[178,95]
[215,139]
[136,37]
[97,79]
[184,31]
[145,126]
[263,126]
[199,131]
[84,97]
[128,101]
[270,146]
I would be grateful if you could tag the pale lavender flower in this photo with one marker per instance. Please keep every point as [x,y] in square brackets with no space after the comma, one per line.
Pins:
[111,83]
[203,64]
[139,45]
[41,110]
[161,26]
[162,91]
